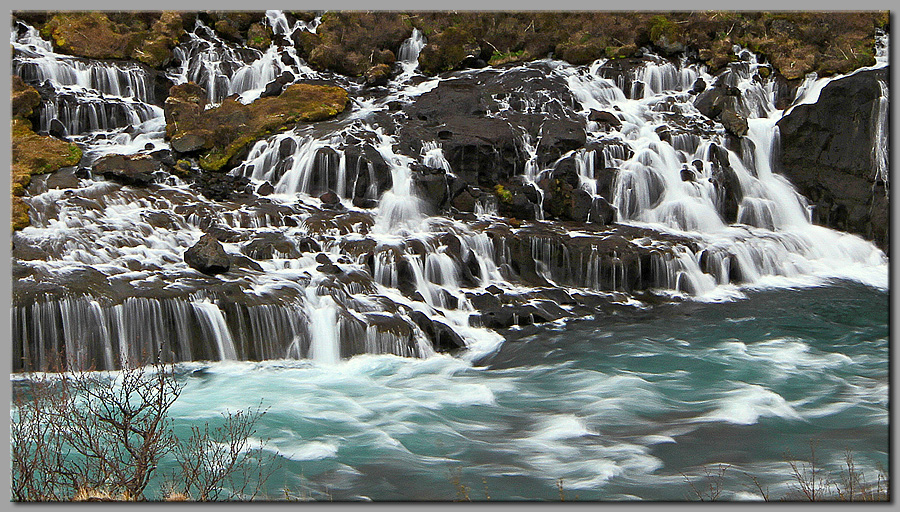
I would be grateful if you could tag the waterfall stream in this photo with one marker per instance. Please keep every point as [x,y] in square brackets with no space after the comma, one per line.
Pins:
[105,280]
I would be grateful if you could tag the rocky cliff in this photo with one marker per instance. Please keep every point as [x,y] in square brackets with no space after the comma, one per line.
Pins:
[827,153]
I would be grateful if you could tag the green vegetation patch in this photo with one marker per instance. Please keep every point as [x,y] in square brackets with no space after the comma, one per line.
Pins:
[34,154]
[227,131]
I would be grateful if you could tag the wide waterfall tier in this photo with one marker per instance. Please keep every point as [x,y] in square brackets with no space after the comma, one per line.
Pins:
[433,213]
[85,99]
[224,69]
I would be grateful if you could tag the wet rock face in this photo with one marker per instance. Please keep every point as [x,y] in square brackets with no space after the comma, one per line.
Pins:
[826,153]
[472,118]
[724,103]
[208,256]
[135,170]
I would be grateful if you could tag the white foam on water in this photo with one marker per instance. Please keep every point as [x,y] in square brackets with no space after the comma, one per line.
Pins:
[747,403]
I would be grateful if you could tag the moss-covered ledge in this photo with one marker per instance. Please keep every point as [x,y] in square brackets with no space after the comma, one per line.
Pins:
[34,154]
[148,36]
[221,136]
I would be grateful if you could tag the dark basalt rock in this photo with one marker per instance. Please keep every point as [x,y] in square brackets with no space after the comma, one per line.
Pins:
[266,245]
[563,198]
[135,170]
[605,117]
[518,199]
[221,187]
[431,187]
[727,184]
[699,86]
[602,212]
[826,152]
[378,75]
[558,137]
[442,337]
[275,87]
[208,256]
[734,123]
[265,189]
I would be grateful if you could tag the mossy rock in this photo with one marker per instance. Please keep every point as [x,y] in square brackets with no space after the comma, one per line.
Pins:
[224,134]
[259,36]
[146,36]
[24,98]
[349,42]
[34,154]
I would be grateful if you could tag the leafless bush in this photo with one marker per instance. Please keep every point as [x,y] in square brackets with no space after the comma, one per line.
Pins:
[101,436]
[213,458]
[714,483]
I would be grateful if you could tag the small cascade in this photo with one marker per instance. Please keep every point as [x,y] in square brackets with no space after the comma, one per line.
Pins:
[655,78]
[323,326]
[85,95]
[399,209]
[408,54]
[224,70]
[281,27]
[880,158]
[213,326]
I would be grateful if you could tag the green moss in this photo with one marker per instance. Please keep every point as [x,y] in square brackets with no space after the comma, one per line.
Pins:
[229,129]
[34,154]
[504,195]
[498,59]
[660,26]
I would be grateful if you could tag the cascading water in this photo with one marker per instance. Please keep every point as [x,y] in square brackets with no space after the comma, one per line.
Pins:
[86,96]
[328,280]
[224,70]
[652,186]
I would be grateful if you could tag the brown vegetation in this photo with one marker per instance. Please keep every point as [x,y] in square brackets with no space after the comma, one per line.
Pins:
[147,36]
[32,153]
[223,134]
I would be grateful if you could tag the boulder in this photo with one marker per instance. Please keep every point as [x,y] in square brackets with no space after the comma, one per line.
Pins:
[135,170]
[378,75]
[517,199]
[734,123]
[605,117]
[826,152]
[602,213]
[564,199]
[208,256]
[266,245]
[275,87]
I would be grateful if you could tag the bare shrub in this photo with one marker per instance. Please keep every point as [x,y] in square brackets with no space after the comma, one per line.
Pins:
[98,436]
[213,459]
[715,483]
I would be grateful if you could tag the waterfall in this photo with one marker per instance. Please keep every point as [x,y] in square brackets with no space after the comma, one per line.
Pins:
[880,159]
[88,96]
[324,335]
[408,54]
[100,273]
[280,25]
[224,70]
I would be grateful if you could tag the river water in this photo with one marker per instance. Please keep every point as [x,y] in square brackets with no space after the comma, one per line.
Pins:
[624,407]
[733,377]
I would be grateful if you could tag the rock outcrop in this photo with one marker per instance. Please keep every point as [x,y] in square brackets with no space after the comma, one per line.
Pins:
[208,256]
[826,152]
[221,136]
